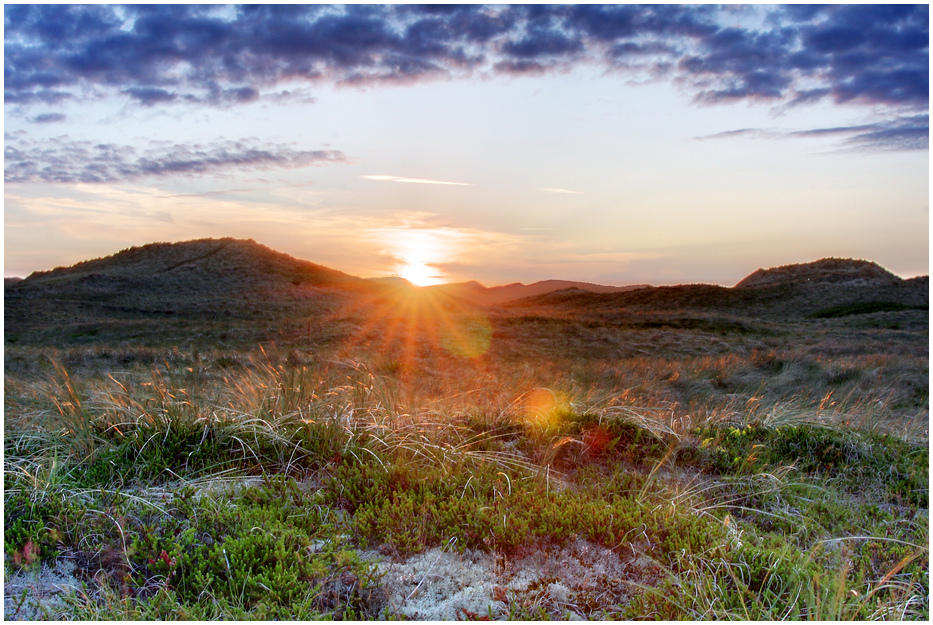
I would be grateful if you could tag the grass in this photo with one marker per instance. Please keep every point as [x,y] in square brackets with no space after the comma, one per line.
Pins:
[731,468]
[862,308]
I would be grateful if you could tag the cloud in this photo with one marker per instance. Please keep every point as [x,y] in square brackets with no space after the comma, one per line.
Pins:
[563,191]
[753,133]
[49,118]
[906,132]
[216,55]
[40,96]
[903,133]
[64,160]
[415,180]
[149,96]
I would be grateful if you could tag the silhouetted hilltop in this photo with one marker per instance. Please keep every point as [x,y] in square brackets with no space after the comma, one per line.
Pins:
[826,288]
[826,270]
[177,283]
[211,264]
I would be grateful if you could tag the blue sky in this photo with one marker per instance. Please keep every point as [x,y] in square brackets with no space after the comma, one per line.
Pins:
[615,144]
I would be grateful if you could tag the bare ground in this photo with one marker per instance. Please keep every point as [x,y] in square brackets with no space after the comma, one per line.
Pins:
[575,581]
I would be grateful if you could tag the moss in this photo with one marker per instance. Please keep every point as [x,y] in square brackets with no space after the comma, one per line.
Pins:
[273,553]
[860,462]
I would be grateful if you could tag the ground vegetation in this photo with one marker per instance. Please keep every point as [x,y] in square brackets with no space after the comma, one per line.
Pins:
[361,452]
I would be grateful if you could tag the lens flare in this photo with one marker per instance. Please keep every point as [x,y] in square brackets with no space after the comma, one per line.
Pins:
[545,410]
[467,334]
[416,328]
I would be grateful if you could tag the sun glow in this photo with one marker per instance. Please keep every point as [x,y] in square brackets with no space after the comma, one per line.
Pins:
[420,274]
[419,253]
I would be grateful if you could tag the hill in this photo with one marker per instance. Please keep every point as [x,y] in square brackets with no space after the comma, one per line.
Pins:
[241,289]
[211,264]
[144,290]
[826,270]
[821,289]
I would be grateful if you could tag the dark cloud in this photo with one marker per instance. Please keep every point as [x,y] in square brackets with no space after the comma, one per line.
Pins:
[49,118]
[44,96]
[742,65]
[150,96]
[808,96]
[222,55]
[874,53]
[522,67]
[548,43]
[63,160]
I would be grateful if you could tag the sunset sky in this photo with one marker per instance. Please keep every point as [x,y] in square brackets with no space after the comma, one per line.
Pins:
[612,144]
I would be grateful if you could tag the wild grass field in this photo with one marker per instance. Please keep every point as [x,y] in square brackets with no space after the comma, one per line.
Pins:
[571,456]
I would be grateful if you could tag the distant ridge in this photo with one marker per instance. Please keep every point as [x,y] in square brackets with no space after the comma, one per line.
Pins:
[826,270]
[826,288]
[490,296]
[221,265]
[246,291]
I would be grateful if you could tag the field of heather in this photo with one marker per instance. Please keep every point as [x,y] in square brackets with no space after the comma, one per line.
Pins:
[675,453]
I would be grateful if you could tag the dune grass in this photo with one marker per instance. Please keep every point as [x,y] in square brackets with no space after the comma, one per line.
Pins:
[182,484]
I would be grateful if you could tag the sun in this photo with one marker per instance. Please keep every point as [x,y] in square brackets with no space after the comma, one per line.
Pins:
[420,274]
[419,253]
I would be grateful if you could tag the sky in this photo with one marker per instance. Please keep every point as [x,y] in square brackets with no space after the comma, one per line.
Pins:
[615,144]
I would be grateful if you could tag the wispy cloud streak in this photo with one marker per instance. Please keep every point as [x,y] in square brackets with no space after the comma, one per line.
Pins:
[906,132]
[64,160]
[415,180]
[566,191]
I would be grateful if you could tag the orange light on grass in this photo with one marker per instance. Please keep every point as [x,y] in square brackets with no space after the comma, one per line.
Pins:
[417,330]
[467,333]
[411,326]
[545,410]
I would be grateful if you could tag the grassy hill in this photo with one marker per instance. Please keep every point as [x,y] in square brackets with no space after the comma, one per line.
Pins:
[825,271]
[191,273]
[170,291]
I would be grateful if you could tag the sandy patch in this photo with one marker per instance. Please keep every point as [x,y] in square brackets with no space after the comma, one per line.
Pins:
[577,580]
[37,594]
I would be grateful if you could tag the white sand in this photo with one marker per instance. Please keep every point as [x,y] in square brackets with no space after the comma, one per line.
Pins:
[568,582]
[36,594]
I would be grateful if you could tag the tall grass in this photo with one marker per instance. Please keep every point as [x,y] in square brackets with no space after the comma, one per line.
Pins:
[708,478]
